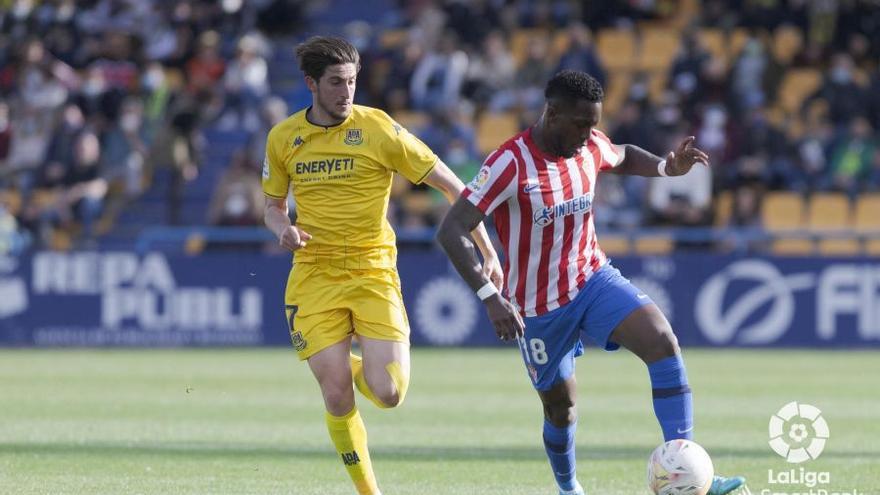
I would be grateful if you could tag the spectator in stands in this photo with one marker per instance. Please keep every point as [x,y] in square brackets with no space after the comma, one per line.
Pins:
[85,188]
[811,157]
[238,198]
[853,158]
[845,96]
[756,76]
[687,72]
[683,200]
[125,148]
[490,72]
[439,76]
[5,139]
[579,54]
[246,82]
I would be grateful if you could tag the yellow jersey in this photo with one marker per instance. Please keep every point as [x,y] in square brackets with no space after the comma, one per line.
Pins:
[340,177]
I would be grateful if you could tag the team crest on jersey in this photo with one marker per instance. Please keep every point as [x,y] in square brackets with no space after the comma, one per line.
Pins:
[354,137]
[546,215]
[266,167]
[480,180]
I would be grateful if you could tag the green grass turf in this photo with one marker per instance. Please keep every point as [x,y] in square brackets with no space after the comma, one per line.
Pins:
[251,422]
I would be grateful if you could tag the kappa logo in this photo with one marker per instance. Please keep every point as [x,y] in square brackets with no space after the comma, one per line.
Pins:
[298,141]
[397,128]
[354,137]
[266,167]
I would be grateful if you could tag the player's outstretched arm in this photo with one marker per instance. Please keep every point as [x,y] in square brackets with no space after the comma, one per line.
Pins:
[275,216]
[453,236]
[637,161]
[445,181]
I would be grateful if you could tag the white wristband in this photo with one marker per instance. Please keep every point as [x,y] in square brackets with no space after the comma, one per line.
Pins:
[661,169]
[487,291]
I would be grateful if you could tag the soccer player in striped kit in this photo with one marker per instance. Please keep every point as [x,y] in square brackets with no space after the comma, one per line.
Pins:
[560,286]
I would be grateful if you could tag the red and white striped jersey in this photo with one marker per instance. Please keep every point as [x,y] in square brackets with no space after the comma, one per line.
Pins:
[542,207]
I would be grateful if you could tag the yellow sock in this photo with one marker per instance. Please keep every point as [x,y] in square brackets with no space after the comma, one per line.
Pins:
[350,438]
[401,381]
[360,381]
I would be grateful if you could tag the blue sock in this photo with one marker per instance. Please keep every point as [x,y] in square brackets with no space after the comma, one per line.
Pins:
[673,403]
[559,444]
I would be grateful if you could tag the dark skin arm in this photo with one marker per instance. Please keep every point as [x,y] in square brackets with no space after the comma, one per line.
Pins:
[636,161]
[454,236]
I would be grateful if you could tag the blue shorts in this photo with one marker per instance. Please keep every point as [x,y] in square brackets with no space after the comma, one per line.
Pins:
[553,339]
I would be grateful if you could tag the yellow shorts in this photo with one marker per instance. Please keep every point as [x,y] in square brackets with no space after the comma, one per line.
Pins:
[326,304]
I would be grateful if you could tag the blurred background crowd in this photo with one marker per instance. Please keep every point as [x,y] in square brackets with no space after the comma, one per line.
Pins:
[120,115]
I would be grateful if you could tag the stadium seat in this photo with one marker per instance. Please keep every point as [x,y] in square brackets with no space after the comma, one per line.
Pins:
[787,42]
[392,39]
[654,245]
[519,43]
[792,247]
[867,214]
[11,201]
[723,208]
[839,247]
[616,91]
[796,86]
[495,128]
[829,211]
[617,48]
[782,211]
[614,245]
[713,40]
[658,48]
[412,120]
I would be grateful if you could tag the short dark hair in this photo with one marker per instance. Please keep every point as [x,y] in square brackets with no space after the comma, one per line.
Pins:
[573,85]
[317,52]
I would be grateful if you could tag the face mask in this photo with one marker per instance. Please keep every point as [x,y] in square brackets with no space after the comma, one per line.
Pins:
[129,122]
[840,75]
[92,88]
[153,79]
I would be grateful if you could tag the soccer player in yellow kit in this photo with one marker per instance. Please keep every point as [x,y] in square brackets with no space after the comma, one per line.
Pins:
[338,158]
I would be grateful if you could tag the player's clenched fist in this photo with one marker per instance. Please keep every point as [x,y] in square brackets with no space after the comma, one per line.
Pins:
[294,238]
[505,318]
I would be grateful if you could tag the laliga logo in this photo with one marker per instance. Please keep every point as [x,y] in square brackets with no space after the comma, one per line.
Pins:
[720,322]
[798,432]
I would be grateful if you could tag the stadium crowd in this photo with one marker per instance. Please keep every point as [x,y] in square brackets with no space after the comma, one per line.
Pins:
[99,97]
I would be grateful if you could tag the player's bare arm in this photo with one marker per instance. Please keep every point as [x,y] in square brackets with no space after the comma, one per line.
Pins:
[453,235]
[637,161]
[445,181]
[275,216]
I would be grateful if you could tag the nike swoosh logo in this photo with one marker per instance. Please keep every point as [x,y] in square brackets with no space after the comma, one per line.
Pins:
[680,431]
[643,296]
[531,187]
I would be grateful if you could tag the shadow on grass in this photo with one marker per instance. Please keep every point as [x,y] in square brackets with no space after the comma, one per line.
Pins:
[404,453]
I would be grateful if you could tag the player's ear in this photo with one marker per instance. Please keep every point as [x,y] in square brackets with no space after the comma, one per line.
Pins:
[311,84]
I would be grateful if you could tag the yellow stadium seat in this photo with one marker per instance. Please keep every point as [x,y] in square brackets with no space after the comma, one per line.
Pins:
[658,48]
[614,245]
[872,247]
[829,211]
[617,48]
[839,247]
[616,91]
[867,215]
[495,128]
[11,200]
[654,245]
[393,38]
[713,40]
[520,40]
[782,211]
[412,120]
[723,208]
[792,247]
[787,42]
[797,85]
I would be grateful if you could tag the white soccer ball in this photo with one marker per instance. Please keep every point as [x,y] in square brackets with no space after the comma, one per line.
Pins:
[680,467]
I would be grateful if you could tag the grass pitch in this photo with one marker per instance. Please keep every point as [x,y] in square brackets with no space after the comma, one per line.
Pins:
[251,422]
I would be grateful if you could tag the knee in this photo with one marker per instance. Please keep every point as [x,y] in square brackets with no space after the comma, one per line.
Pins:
[390,397]
[561,413]
[663,345]
[338,400]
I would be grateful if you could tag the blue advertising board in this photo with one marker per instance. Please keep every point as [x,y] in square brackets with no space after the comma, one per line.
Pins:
[221,299]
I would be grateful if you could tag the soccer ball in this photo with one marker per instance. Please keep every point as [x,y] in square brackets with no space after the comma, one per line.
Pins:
[680,467]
